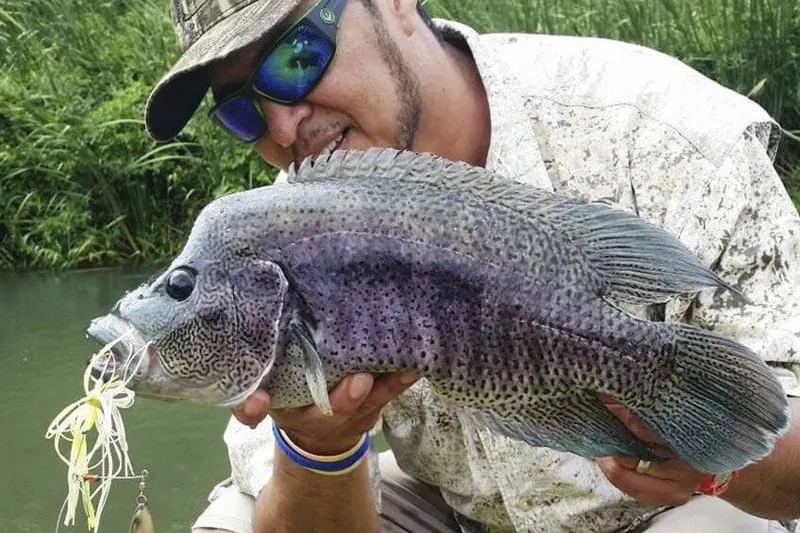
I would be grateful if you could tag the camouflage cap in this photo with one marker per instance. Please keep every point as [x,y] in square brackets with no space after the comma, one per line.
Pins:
[207,30]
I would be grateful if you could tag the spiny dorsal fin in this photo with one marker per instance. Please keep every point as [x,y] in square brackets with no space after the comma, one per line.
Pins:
[640,262]
[383,162]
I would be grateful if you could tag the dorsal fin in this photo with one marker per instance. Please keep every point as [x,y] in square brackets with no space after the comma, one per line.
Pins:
[639,262]
[384,163]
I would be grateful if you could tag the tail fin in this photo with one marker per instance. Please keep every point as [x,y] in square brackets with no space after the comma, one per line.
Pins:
[726,407]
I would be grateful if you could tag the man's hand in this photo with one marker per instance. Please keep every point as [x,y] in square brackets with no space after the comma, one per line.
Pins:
[356,401]
[671,482]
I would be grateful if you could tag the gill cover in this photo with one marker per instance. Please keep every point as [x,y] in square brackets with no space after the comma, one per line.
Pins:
[259,295]
[214,333]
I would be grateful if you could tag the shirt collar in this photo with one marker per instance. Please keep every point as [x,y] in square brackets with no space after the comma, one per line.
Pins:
[513,150]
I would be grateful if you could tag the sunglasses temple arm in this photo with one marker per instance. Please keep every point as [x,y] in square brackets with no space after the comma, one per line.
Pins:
[337,7]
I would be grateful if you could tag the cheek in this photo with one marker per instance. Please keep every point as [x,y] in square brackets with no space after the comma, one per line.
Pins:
[359,84]
[377,121]
[186,354]
[369,109]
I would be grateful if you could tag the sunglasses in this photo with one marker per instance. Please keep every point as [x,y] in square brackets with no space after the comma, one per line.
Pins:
[287,72]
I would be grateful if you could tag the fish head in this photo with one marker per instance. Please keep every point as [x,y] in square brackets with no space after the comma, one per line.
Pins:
[203,331]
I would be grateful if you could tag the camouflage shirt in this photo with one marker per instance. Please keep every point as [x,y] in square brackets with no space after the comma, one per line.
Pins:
[628,126]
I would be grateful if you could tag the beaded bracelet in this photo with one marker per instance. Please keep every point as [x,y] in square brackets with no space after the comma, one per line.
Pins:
[716,485]
[327,465]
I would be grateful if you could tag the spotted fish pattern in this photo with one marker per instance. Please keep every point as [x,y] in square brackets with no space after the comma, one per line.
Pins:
[502,295]
[567,116]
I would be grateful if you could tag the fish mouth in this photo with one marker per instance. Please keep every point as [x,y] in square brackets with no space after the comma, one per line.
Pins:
[124,353]
[128,355]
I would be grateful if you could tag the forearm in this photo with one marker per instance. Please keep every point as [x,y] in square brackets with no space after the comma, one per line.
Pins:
[297,500]
[771,487]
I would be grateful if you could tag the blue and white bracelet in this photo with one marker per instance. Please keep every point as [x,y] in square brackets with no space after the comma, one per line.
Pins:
[327,465]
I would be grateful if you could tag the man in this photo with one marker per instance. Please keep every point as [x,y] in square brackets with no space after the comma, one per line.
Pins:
[586,117]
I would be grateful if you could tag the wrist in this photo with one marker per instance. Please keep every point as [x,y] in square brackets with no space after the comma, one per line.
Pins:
[322,447]
[337,461]
[716,485]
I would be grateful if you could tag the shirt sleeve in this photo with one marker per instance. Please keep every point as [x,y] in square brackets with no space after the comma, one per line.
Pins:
[251,453]
[760,255]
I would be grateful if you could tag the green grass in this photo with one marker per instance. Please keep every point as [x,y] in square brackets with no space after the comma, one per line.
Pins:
[82,185]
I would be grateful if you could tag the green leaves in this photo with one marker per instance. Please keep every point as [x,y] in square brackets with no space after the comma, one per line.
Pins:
[81,183]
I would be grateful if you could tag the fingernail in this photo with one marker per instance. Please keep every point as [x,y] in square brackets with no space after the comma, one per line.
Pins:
[407,378]
[359,386]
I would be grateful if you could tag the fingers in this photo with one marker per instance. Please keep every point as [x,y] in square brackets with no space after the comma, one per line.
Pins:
[671,482]
[386,388]
[362,395]
[254,409]
[356,403]
[672,470]
[359,399]
[646,489]
[348,395]
[346,398]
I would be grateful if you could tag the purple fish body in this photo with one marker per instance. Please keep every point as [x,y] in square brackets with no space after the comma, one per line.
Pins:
[504,297]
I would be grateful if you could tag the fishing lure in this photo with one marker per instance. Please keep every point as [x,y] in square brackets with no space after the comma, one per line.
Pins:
[103,457]
[142,522]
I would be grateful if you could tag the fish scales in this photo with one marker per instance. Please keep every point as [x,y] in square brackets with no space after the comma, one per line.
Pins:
[408,236]
[502,296]
[296,214]
[400,314]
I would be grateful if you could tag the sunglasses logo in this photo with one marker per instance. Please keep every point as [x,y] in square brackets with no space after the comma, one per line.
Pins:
[327,15]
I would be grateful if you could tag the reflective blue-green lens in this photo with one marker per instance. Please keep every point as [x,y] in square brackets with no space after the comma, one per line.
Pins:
[295,65]
[240,116]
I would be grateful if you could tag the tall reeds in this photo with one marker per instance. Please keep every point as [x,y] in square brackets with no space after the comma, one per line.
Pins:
[81,184]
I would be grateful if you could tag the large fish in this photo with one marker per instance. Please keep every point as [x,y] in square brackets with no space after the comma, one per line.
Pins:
[501,295]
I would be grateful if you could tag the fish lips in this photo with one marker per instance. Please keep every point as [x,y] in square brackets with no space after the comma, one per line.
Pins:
[125,352]
[132,357]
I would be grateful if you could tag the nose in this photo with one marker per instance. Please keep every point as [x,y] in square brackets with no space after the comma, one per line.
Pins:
[283,120]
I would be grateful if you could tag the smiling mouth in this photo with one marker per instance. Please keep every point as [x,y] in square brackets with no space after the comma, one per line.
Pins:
[335,144]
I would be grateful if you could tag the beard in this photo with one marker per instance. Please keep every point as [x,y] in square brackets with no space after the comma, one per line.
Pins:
[406,86]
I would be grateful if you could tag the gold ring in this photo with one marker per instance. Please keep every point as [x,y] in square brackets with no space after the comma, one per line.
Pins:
[642,467]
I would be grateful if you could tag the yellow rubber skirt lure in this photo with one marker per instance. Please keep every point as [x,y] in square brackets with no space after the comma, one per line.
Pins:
[92,430]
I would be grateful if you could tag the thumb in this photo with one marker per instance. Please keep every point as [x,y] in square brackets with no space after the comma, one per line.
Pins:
[254,409]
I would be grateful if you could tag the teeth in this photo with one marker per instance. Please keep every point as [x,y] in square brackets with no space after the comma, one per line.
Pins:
[331,146]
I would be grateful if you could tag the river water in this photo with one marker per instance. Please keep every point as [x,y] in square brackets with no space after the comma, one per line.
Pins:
[43,352]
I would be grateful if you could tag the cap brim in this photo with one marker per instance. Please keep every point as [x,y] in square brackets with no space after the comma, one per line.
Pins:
[180,92]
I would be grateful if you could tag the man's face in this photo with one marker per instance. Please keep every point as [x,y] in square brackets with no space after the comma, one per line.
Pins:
[369,96]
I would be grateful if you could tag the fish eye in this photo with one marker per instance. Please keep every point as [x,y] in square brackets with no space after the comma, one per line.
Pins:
[180,283]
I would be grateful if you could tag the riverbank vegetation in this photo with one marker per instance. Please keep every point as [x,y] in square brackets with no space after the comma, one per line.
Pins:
[82,185]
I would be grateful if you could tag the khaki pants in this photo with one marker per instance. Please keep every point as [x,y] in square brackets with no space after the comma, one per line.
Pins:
[413,507]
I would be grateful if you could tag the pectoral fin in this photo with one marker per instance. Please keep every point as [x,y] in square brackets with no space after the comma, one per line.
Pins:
[307,352]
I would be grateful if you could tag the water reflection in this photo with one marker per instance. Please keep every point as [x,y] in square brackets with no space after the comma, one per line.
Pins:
[42,355]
